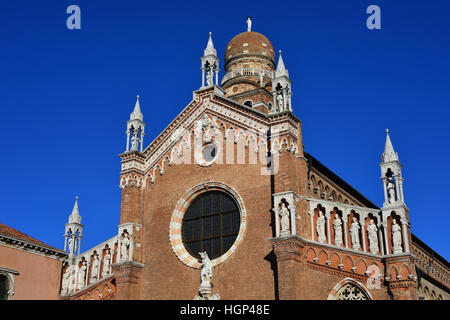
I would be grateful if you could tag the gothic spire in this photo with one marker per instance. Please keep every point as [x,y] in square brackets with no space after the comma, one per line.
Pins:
[137,114]
[389,154]
[281,69]
[210,50]
[75,216]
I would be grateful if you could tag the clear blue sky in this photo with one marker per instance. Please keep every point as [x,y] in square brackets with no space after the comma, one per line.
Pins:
[65,97]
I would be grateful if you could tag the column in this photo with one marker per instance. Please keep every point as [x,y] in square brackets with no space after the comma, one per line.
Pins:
[142,140]
[345,222]
[311,214]
[405,235]
[397,187]
[363,232]
[385,231]
[380,239]
[130,251]
[401,188]
[328,216]
[128,140]
[79,244]
[203,77]
[293,228]
[277,221]
[65,242]
[386,200]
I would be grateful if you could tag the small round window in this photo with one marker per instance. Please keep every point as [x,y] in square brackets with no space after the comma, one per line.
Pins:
[209,152]
[211,224]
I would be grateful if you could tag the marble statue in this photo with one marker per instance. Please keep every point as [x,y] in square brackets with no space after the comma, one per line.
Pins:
[391,190]
[134,142]
[337,225]
[396,237]
[82,275]
[206,272]
[280,100]
[72,246]
[106,261]
[284,214]
[249,24]
[94,269]
[354,233]
[205,279]
[125,242]
[209,76]
[373,237]
[65,282]
[320,227]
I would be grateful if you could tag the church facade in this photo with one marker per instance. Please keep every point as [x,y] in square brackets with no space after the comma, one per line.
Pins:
[226,204]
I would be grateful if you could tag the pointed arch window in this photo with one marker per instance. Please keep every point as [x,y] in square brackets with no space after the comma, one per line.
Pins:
[351,292]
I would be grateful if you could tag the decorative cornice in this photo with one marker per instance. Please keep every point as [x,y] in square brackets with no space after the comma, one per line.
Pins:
[28,246]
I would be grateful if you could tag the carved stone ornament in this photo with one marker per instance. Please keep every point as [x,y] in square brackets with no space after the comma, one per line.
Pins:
[351,292]
[205,279]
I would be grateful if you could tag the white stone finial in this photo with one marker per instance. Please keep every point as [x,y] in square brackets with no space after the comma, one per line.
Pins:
[249,23]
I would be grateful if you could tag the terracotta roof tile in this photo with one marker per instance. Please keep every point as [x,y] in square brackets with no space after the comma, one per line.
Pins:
[8,231]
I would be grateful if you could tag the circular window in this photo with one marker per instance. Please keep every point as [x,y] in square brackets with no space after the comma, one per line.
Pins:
[208,155]
[211,223]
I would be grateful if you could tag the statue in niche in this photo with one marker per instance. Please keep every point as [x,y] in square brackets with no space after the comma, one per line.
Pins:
[134,142]
[391,190]
[72,245]
[65,282]
[106,261]
[82,275]
[354,233]
[284,214]
[125,243]
[337,225]
[373,237]
[209,75]
[320,227]
[396,237]
[94,269]
[280,100]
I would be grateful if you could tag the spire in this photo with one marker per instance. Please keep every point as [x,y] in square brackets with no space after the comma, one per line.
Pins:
[136,114]
[210,50]
[389,154]
[249,23]
[210,65]
[75,216]
[281,69]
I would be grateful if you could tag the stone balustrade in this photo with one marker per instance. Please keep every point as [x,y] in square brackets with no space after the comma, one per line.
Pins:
[247,72]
